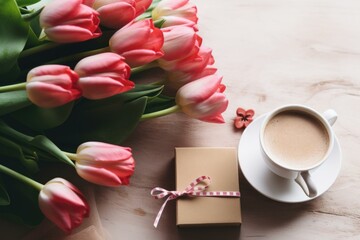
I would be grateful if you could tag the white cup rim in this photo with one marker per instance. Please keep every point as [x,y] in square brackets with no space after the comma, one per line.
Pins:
[301,108]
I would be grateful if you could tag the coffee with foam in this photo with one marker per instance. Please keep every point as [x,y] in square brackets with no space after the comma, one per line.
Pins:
[296,140]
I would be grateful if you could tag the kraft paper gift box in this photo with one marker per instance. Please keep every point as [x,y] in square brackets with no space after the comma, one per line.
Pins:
[221,165]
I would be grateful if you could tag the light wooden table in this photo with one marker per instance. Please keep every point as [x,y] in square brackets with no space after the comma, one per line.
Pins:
[270,53]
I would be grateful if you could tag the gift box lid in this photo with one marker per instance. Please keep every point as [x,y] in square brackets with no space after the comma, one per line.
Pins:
[221,165]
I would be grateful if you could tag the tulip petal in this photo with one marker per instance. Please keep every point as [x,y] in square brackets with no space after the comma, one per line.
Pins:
[199,90]
[60,80]
[178,42]
[51,95]
[100,3]
[60,218]
[52,69]
[55,12]
[109,63]
[194,63]
[142,5]
[141,56]
[208,108]
[99,154]
[100,145]
[130,37]
[98,87]
[52,85]
[175,21]
[63,204]
[213,119]
[203,99]
[98,175]
[197,62]
[178,8]
[103,75]
[74,23]
[104,164]
[69,33]
[139,42]
[155,41]
[117,15]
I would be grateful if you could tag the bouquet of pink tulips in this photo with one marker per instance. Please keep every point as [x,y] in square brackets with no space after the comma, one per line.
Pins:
[70,92]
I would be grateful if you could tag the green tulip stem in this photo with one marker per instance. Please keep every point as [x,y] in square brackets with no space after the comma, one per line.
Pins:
[21,177]
[160,113]
[78,56]
[140,69]
[160,82]
[72,156]
[11,133]
[41,48]
[13,87]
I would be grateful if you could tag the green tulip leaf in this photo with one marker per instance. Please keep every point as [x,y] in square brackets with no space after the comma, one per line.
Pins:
[31,15]
[12,101]
[4,196]
[159,103]
[24,207]
[33,40]
[9,149]
[24,3]
[109,120]
[141,90]
[36,28]
[39,119]
[114,126]
[110,123]
[11,76]
[13,34]
[46,145]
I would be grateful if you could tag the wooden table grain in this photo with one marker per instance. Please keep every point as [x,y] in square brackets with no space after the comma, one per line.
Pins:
[270,53]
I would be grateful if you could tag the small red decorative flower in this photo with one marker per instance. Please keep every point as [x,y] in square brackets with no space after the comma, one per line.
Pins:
[244,118]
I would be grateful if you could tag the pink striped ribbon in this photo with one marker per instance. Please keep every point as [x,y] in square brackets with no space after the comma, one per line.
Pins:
[192,190]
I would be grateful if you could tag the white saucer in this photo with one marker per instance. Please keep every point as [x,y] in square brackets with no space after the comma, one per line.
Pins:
[272,186]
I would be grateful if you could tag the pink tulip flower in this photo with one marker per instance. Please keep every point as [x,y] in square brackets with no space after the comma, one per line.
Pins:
[51,86]
[203,99]
[139,42]
[63,204]
[142,6]
[177,79]
[194,63]
[176,12]
[117,13]
[104,164]
[69,22]
[179,42]
[103,75]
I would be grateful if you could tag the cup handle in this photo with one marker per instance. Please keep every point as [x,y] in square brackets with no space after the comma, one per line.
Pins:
[307,185]
[330,115]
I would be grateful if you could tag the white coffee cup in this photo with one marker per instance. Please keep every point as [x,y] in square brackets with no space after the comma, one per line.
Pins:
[296,139]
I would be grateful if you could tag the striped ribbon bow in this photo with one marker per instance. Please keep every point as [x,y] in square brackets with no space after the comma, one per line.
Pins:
[196,188]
